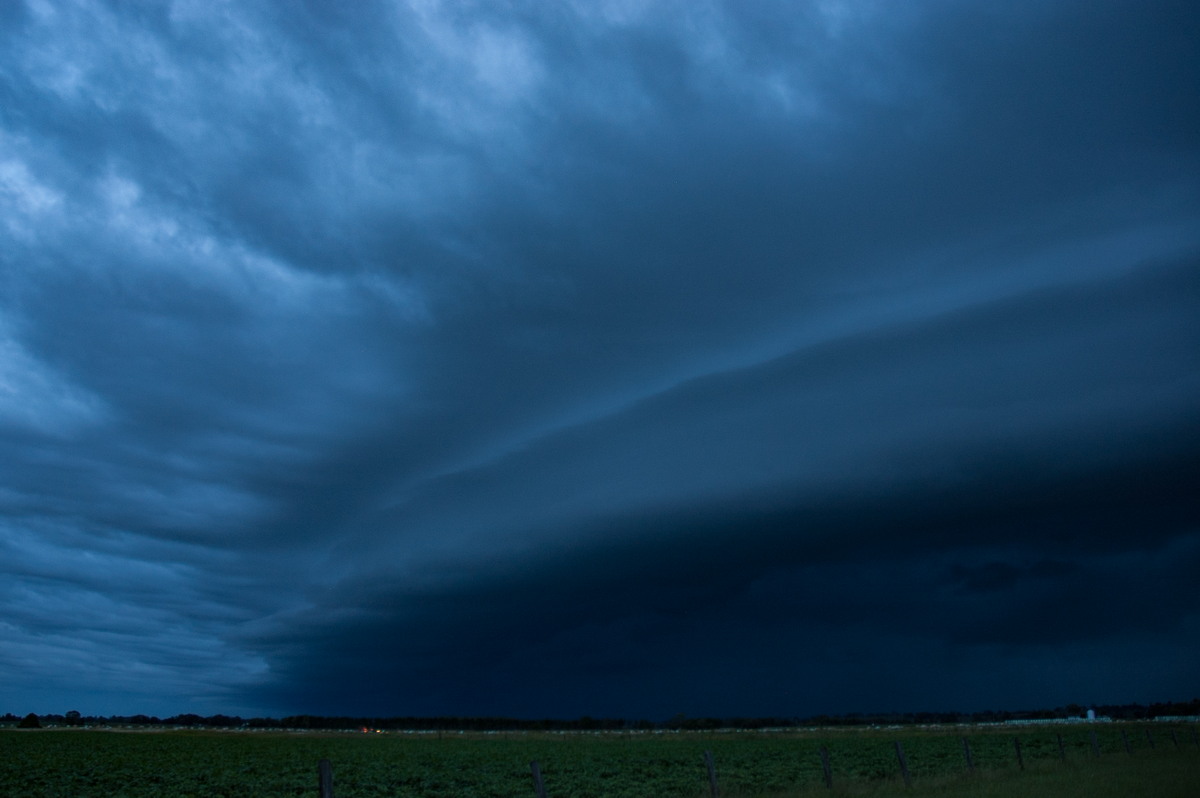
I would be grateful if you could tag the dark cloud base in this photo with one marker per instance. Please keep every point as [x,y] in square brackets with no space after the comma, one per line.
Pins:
[1012,594]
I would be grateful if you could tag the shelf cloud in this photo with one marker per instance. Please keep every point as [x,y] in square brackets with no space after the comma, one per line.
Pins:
[723,358]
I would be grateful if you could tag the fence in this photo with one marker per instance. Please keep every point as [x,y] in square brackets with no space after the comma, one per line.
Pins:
[325,768]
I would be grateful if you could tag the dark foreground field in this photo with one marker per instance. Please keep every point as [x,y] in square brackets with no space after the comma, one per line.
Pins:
[75,763]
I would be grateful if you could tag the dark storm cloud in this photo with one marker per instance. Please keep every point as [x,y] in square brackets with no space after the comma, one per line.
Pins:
[417,358]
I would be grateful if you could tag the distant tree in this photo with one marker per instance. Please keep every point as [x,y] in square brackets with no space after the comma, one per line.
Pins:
[223,721]
[73,718]
[187,719]
[30,721]
[700,724]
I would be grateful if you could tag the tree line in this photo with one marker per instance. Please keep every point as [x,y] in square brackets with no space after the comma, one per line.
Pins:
[586,723]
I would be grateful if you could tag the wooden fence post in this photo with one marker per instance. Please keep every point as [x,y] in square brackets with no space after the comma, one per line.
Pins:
[1020,759]
[903,764]
[1125,739]
[1062,749]
[1174,739]
[825,767]
[325,779]
[1095,743]
[1149,739]
[712,773]
[967,754]
[538,787]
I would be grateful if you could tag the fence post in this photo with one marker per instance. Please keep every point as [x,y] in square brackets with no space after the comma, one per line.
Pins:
[903,764]
[1095,743]
[1174,739]
[1062,750]
[967,754]
[1125,739]
[538,787]
[825,767]
[325,779]
[1020,759]
[1149,739]
[712,773]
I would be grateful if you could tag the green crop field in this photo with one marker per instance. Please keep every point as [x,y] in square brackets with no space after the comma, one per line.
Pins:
[78,763]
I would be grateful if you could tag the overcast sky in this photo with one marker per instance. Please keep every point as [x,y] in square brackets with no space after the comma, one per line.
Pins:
[612,357]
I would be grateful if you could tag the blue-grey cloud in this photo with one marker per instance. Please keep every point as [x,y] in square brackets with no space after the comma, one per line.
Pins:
[431,358]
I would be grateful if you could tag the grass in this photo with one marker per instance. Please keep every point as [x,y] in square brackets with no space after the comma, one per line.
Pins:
[95,764]
[1153,775]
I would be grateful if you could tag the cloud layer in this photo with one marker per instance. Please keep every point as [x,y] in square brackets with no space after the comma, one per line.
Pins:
[610,358]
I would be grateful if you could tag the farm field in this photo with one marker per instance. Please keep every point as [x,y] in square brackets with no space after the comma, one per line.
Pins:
[76,763]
